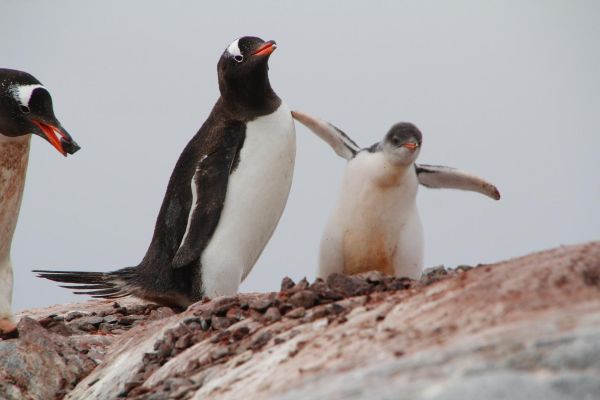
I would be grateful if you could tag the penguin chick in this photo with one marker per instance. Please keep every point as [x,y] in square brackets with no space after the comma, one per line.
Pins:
[375,224]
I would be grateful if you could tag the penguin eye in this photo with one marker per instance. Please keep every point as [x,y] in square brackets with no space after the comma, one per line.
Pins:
[239,58]
[24,109]
[395,141]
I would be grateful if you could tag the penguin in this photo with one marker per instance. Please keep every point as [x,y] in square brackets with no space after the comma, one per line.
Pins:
[225,196]
[375,224]
[25,109]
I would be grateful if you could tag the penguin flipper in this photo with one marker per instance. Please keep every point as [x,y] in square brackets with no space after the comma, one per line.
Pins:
[212,172]
[333,136]
[442,177]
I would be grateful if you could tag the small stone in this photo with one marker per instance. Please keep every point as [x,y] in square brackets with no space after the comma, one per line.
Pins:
[220,323]
[74,314]
[222,304]
[184,342]
[286,284]
[320,312]
[261,303]
[259,341]
[235,313]
[301,285]
[112,319]
[296,313]
[219,353]
[272,314]
[240,333]
[220,336]
[347,286]
[161,312]
[130,319]
[303,298]
[284,308]
[336,308]
[92,320]
[87,327]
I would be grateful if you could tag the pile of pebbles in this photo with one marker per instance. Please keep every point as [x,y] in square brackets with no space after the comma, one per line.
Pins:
[113,321]
[240,324]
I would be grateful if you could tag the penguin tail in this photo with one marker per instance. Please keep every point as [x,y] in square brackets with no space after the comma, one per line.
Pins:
[105,285]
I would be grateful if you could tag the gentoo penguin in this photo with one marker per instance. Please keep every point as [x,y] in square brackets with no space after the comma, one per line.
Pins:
[225,196]
[375,224]
[25,108]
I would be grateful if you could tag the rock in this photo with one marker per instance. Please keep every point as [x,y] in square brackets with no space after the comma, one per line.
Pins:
[296,313]
[272,314]
[220,323]
[260,303]
[304,298]
[525,328]
[347,285]
[286,284]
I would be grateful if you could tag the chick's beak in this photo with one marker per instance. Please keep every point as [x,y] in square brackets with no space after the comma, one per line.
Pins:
[412,146]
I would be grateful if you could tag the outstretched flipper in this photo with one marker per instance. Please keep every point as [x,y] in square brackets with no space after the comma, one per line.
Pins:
[432,176]
[441,177]
[335,137]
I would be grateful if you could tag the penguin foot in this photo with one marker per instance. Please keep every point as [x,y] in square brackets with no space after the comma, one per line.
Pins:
[7,326]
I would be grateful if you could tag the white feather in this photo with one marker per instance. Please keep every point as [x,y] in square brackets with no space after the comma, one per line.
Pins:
[193,207]
[256,196]
[22,93]
[234,48]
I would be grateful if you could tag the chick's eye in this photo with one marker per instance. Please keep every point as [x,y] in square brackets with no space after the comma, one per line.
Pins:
[395,141]
[24,109]
[238,58]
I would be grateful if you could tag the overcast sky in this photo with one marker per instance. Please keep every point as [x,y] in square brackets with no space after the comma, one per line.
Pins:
[507,90]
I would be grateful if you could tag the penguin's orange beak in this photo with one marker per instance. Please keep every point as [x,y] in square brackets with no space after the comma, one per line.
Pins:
[58,137]
[266,48]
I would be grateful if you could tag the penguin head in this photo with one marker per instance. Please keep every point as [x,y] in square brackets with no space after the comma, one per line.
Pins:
[26,108]
[243,67]
[402,144]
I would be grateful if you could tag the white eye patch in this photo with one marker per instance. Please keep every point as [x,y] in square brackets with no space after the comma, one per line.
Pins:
[234,49]
[23,93]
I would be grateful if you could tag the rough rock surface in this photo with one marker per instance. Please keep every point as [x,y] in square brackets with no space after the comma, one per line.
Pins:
[526,328]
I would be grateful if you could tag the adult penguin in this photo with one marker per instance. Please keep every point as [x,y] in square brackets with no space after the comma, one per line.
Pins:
[224,198]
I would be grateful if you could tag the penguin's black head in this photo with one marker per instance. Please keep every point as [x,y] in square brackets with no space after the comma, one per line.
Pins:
[402,143]
[244,71]
[26,107]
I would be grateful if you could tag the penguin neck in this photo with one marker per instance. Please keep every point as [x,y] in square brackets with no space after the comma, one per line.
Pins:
[250,97]
[390,174]
[14,155]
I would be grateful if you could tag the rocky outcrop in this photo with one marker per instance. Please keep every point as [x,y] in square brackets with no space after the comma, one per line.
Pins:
[526,328]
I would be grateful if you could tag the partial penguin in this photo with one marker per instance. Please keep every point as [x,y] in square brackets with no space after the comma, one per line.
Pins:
[25,109]
[224,198]
[375,224]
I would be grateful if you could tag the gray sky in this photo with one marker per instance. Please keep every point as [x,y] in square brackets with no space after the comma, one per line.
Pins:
[507,90]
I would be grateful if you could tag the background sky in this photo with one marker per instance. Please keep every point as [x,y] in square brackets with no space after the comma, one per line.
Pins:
[507,90]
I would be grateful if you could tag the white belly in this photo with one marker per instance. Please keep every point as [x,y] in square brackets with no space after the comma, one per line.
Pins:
[256,196]
[375,224]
